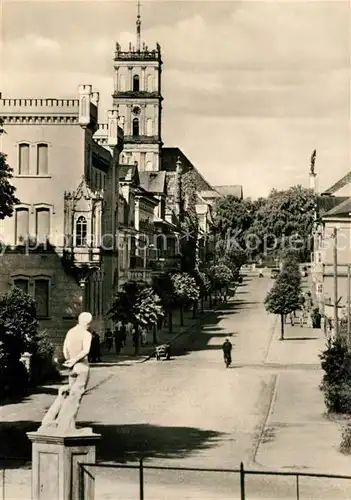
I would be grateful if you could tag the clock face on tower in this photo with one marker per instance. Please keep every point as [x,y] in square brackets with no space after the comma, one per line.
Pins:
[136,110]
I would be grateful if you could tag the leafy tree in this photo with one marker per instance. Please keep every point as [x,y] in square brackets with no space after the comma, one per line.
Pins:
[163,287]
[220,276]
[336,382]
[283,298]
[18,334]
[7,191]
[136,304]
[230,254]
[186,291]
[189,223]
[42,366]
[285,220]
[291,271]
[231,214]
[204,284]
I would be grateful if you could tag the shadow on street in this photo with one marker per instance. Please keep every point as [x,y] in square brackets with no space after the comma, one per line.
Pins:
[119,443]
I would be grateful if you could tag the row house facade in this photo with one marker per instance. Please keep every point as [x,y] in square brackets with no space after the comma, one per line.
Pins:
[333,213]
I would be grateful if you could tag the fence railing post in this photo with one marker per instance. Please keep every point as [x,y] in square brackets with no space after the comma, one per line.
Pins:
[141,479]
[242,481]
[297,487]
[3,483]
[81,485]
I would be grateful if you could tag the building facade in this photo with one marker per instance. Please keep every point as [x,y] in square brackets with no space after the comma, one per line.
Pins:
[52,247]
[333,213]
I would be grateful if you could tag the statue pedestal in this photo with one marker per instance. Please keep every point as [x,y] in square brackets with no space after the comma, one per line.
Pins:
[55,471]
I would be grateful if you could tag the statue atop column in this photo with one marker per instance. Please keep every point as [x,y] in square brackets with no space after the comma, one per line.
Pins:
[313,161]
[61,416]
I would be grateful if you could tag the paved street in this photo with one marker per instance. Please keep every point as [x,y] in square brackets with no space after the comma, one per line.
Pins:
[266,410]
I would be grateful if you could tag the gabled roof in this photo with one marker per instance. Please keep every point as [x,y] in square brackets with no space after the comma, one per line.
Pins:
[325,203]
[339,184]
[154,182]
[169,164]
[129,173]
[341,210]
[234,190]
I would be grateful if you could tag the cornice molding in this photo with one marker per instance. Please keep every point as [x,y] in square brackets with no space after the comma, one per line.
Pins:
[40,120]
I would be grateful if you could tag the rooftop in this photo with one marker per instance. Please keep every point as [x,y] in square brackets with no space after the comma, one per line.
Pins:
[339,184]
[234,190]
[153,181]
[341,210]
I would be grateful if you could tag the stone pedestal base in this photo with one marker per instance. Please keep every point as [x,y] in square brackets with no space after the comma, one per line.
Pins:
[55,471]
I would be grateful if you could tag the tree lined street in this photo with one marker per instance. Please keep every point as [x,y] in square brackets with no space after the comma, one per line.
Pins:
[193,412]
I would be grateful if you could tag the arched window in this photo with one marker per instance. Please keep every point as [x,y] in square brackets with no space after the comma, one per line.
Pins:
[42,159]
[81,232]
[135,126]
[23,159]
[136,83]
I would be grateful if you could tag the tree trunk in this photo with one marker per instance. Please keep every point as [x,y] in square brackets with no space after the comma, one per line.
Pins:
[194,308]
[154,333]
[170,322]
[210,301]
[282,327]
[202,304]
[181,315]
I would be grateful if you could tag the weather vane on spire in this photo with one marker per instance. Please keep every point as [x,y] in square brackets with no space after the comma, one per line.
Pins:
[138,25]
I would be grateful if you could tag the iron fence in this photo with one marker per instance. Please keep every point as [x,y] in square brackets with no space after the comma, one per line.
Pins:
[85,475]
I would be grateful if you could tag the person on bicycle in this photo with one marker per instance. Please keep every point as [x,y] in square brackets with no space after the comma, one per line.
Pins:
[227,351]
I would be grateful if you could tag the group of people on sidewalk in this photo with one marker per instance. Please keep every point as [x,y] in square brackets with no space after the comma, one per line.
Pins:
[306,315]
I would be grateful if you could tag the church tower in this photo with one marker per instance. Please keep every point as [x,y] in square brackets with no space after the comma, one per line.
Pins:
[137,98]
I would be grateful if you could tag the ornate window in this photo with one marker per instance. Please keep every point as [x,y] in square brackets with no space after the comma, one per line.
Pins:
[21,225]
[42,224]
[135,126]
[136,83]
[23,159]
[81,231]
[42,159]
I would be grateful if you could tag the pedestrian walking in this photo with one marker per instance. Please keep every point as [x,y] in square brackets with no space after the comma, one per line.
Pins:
[94,353]
[108,339]
[118,339]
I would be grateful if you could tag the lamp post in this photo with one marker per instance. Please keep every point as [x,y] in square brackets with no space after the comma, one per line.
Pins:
[335,255]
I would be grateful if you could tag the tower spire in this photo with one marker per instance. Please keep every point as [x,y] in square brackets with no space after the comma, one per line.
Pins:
[138,26]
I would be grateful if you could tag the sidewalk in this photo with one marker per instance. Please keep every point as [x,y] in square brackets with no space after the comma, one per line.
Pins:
[148,350]
[298,434]
[301,346]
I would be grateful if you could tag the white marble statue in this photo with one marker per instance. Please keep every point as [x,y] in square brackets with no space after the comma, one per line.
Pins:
[61,416]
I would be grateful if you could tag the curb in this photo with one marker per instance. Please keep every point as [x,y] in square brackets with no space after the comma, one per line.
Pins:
[268,418]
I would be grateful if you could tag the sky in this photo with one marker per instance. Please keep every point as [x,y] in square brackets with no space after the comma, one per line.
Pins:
[250,88]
